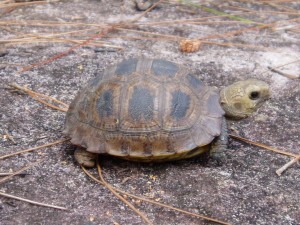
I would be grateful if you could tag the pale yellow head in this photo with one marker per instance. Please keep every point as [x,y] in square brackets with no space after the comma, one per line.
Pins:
[242,98]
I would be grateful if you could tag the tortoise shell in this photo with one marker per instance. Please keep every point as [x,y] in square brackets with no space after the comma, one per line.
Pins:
[146,110]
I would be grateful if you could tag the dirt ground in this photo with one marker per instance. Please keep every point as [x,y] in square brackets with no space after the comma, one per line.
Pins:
[245,190]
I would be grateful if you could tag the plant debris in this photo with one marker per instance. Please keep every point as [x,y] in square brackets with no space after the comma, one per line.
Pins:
[189,45]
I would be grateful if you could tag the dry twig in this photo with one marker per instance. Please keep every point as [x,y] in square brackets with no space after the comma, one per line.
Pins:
[287,165]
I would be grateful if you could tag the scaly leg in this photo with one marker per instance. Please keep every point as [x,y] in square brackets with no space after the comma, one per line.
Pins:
[219,146]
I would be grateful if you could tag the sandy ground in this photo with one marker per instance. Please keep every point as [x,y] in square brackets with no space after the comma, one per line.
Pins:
[246,190]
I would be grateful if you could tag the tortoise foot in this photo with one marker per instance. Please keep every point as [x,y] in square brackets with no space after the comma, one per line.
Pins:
[219,158]
[85,158]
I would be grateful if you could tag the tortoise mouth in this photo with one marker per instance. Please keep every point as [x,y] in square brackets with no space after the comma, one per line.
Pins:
[234,112]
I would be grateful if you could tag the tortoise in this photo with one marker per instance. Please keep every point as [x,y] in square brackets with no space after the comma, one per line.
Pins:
[154,110]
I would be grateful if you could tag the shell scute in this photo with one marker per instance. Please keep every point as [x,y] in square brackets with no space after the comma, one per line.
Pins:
[194,81]
[126,67]
[162,67]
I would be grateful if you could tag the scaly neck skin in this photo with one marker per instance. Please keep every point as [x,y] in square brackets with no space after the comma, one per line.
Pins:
[242,98]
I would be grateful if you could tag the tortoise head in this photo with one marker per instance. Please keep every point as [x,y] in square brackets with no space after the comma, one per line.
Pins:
[242,98]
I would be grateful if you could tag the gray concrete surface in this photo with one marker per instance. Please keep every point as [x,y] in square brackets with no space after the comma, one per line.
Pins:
[246,190]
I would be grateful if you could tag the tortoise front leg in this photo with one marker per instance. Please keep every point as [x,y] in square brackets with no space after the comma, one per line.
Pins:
[219,146]
[85,158]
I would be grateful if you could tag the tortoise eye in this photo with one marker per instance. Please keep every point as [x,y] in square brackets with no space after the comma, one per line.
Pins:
[254,95]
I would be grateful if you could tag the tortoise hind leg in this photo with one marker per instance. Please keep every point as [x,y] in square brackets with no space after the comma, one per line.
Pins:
[85,158]
[219,146]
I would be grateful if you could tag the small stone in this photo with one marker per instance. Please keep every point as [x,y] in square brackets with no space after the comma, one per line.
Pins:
[92,218]
[3,52]
[261,118]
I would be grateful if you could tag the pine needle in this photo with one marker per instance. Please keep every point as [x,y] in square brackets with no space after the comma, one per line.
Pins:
[32,149]
[288,75]
[41,63]
[263,146]
[157,203]
[276,67]
[109,187]
[215,11]
[31,202]
[107,29]
[20,171]
[39,97]
[24,199]
[9,5]
[284,167]
[10,173]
